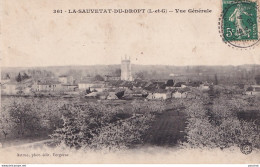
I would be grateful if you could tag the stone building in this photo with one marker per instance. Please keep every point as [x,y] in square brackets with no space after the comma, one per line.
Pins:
[126,71]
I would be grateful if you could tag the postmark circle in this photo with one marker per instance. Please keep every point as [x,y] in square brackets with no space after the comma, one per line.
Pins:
[246,148]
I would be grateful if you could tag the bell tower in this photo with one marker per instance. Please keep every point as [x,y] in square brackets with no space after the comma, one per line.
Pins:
[126,71]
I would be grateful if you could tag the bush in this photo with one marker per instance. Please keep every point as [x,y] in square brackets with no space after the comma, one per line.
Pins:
[21,117]
[218,125]
[80,124]
[98,126]
[123,134]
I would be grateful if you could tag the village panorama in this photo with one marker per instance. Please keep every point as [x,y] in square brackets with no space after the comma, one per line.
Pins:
[130,106]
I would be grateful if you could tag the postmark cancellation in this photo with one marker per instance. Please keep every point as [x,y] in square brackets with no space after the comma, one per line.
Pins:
[239,23]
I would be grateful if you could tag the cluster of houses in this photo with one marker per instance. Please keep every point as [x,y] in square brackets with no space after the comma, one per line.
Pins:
[110,88]
[31,86]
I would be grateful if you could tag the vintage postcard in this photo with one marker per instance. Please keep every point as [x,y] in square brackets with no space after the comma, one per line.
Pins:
[133,81]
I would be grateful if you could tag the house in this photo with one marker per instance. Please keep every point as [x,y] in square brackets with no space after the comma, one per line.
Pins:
[125,85]
[179,85]
[112,96]
[150,86]
[9,88]
[160,85]
[128,93]
[24,89]
[179,94]
[63,79]
[92,85]
[4,81]
[27,90]
[194,84]
[139,84]
[204,86]
[115,84]
[153,96]
[83,85]
[103,95]
[97,87]
[159,94]
[68,87]
[253,90]
[92,95]
[137,93]
[111,78]
[183,86]
[47,86]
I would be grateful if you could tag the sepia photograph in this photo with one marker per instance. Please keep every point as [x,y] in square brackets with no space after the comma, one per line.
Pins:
[130,82]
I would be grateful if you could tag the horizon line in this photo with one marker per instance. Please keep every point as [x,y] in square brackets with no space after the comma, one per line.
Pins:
[119,64]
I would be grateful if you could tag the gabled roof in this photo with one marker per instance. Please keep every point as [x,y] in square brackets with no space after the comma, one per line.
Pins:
[87,80]
[115,83]
[177,91]
[139,84]
[48,82]
[205,84]
[178,84]
[92,94]
[194,84]
[112,95]
[68,85]
[126,84]
[84,82]
[160,91]
[97,86]
[151,87]
[62,76]
[185,89]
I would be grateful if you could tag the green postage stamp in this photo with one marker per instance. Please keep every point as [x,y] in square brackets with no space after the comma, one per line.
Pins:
[240,21]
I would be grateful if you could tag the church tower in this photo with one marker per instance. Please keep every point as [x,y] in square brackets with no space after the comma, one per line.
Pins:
[126,72]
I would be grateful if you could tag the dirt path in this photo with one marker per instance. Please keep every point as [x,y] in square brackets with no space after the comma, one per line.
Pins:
[167,129]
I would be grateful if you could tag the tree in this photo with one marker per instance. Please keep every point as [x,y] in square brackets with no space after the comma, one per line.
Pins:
[7,76]
[99,78]
[120,94]
[19,78]
[25,117]
[257,79]
[25,76]
[122,134]
[88,91]
[216,79]
[81,123]
[218,125]
[6,123]
[140,75]
[170,82]
[118,72]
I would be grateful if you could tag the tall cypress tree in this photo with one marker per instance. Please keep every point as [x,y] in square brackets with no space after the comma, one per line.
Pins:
[19,78]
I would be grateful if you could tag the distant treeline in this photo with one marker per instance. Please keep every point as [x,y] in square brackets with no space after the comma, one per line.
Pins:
[223,74]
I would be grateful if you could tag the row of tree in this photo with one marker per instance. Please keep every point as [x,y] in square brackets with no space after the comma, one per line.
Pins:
[217,125]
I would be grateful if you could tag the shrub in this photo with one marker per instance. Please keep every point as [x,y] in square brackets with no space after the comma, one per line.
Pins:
[218,125]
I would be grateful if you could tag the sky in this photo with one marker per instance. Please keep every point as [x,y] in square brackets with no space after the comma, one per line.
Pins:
[32,35]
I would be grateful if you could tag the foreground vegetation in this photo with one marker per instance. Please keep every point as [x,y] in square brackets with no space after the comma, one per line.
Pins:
[217,123]
[213,122]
